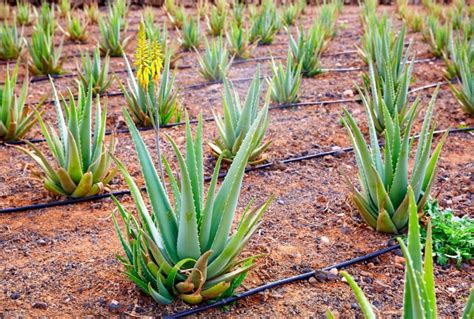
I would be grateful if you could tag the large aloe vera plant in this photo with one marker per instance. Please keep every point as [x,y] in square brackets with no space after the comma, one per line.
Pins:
[186,250]
[419,292]
[384,180]
[83,161]
[16,118]
[238,120]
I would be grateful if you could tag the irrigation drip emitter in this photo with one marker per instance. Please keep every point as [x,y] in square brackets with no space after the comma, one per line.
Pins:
[119,193]
[210,119]
[281,282]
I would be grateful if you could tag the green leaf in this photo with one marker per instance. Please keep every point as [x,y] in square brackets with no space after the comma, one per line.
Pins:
[365,305]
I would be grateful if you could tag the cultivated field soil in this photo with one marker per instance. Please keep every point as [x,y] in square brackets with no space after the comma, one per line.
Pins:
[61,261]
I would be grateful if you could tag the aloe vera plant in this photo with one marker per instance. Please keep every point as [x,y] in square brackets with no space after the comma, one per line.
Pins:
[265,24]
[190,36]
[94,72]
[290,14]
[327,19]
[92,12]
[414,20]
[214,63]
[419,299]
[437,35]
[239,43]
[45,57]
[111,41]
[16,118]
[151,101]
[216,22]
[64,8]
[178,17]
[202,8]
[458,47]
[82,159]
[306,50]
[11,43]
[5,10]
[142,103]
[238,13]
[188,253]
[237,121]
[46,18]
[465,93]
[24,13]
[76,29]
[285,82]
[383,198]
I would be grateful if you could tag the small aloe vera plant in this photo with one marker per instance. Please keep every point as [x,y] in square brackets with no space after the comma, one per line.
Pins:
[290,14]
[94,72]
[92,12]
[419,300]
[238,118]
[111,41]
[11,43]
[265,24]
[76,28]
[146,99]
[215,63]
[285,82]
[307,49]
[187,250]
[216,22]
[239,43]
[437,34]
[16,118]
[45,57]
[82,158]
[24,13]
[190,36]
[383,198]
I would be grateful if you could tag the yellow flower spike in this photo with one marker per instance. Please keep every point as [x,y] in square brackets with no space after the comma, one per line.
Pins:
[142,57]
[156,60]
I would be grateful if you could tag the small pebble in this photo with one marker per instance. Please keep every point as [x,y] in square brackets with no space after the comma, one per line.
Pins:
[40,305]
[114,306]
[15,295]
[348,93]
[325,240]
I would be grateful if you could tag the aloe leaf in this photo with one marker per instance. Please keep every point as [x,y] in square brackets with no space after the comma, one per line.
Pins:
[187,240]
[365,306]
[428,277]
[226,198]
[158,198]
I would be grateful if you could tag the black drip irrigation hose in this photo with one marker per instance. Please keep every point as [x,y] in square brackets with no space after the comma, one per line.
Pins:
[11,210]
[281,282]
